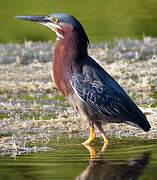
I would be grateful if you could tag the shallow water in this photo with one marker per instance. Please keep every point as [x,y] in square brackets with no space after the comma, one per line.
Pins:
[126,158]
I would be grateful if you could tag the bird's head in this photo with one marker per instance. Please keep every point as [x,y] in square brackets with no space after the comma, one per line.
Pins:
[61,23]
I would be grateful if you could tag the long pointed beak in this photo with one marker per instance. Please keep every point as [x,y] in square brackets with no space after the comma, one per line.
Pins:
[40,19]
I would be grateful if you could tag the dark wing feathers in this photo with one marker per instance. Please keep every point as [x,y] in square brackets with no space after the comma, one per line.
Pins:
[99,97]
[104,95]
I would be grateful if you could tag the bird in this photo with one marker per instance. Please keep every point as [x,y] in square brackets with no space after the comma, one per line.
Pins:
[84,82]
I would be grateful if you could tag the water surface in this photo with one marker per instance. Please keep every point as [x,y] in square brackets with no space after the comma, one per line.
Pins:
[123,159]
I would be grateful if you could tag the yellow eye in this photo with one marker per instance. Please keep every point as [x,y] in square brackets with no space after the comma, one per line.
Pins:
[56,20]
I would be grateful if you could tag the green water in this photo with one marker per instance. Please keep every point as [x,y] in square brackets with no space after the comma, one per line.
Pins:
[123,159]
[103,20]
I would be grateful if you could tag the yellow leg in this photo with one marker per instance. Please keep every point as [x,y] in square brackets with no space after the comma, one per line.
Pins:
[105,138]
[106,142]
[91,137]
[98,126]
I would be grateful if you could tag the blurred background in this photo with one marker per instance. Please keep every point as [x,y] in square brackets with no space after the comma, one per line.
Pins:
[103,20]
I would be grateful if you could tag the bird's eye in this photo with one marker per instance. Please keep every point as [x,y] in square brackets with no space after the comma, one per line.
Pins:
[56,20]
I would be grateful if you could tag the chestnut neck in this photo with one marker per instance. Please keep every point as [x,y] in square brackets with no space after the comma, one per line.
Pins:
[72,47]
[69,51]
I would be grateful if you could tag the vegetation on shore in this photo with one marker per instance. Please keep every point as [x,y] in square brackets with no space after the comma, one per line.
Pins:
[33,111]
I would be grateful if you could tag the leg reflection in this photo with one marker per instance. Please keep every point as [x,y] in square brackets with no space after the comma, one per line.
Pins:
[93,152]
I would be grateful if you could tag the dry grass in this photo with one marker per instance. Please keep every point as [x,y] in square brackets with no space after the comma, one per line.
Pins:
[25,71]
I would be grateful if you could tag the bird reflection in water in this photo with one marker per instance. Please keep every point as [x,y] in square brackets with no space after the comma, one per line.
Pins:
[100,169]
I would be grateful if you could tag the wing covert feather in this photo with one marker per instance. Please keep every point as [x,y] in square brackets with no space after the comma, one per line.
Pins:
[99,97]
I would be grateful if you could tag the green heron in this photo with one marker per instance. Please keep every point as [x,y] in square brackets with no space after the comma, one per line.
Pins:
[83,82]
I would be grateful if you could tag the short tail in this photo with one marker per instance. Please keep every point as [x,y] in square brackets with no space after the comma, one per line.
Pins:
[138,118]
[145,126]
[142,121]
